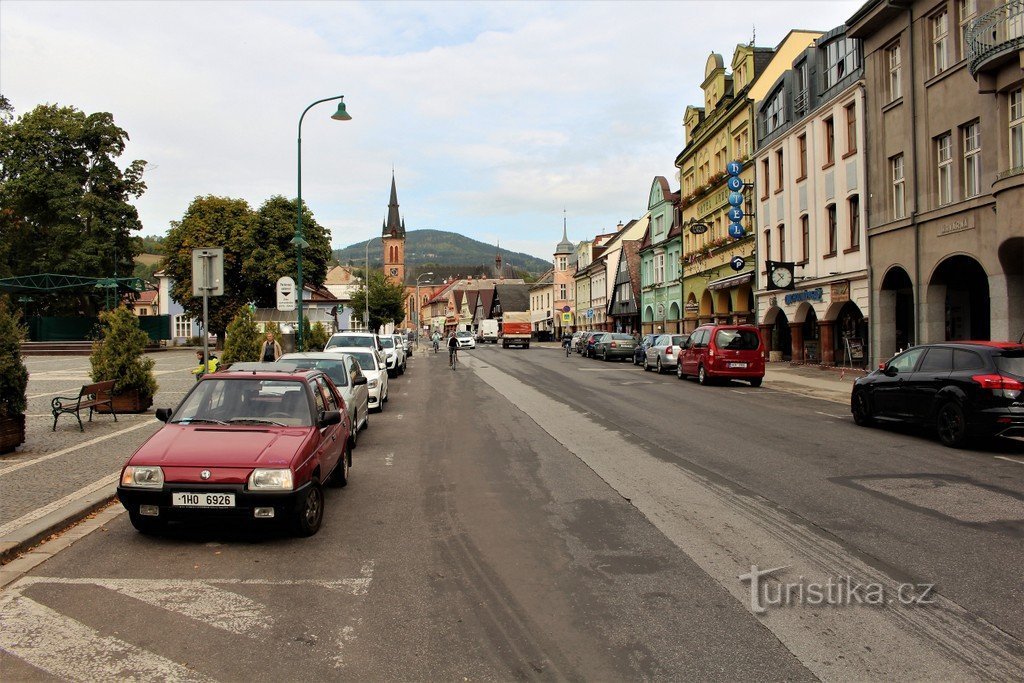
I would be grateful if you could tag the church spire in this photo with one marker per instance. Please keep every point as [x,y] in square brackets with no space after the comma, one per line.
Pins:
[395,226]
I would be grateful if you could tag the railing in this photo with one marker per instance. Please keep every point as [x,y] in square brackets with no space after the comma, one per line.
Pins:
[800,103]
[995,33]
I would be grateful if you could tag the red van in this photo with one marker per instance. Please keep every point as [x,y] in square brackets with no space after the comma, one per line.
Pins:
[723,352]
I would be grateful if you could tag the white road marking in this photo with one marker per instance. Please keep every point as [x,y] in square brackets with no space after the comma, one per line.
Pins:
[389,459]
[64,451]
[1003,457]
[84,379]
[39,513]
[399,416]
[839,417]
[70,650]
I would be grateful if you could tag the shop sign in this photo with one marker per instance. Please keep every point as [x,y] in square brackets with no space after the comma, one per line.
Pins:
[692,307]
[960,225]
[806,295]
[840,291]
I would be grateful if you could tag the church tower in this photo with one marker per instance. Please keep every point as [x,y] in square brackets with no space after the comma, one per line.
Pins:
[394,240]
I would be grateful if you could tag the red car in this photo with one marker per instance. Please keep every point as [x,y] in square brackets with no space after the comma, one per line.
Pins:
[723,352]
[253,445]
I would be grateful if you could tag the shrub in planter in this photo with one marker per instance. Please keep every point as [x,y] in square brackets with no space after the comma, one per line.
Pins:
[118,355]
[242,339]
[13,379]
[315,338]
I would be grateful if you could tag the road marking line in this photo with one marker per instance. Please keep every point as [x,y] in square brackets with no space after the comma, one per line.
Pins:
[69,649]
[399,416]
[25,463]
[389,459]
[39,513]
[839,417]
[1003,457]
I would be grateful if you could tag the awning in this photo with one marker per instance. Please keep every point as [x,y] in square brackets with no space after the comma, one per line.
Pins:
[731,281]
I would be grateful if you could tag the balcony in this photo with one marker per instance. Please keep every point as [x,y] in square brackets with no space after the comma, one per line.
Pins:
[995,37]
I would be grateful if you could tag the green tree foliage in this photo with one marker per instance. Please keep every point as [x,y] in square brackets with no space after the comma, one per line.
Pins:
[387,301]
[13,375]
[269,253]
[243,340]
[118,354]
[151,244]
[64,202]
[314,338]
[210,222]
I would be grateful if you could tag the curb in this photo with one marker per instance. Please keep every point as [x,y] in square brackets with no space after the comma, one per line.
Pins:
[29,535]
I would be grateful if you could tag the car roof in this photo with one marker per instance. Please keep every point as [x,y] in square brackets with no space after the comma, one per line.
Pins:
[339,350]
[235,372]
[1006,345]
[313,355]
[355,333]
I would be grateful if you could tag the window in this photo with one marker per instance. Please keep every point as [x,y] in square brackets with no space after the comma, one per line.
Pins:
[854,206]
[940,42]
[938,359]
[764,178]
[781,230]
[830,141]
[906,361]
[659,268]
[968,9]
[899,209]
[972,159]
[944,173]
[1017,128]
[778,170]
[802,146]
[562,262]
[805,236]
[774,114]
[851,128]
[800,96]
[841,59]
[830,215]
[895,61]
[767,244]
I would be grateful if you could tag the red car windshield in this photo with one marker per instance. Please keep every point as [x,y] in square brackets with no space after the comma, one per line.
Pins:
[239,401]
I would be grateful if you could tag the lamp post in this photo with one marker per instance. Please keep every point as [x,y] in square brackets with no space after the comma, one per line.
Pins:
[416,318]
[298,241]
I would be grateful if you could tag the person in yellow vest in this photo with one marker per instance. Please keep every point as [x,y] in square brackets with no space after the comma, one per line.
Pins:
[210,367]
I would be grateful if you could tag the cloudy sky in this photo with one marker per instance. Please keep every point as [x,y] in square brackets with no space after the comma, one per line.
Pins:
[494,116]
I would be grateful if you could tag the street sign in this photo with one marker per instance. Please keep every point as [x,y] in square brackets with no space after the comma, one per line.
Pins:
[566,309]
[567,318]
[733,168]
[285,294]
[590,312]
[738,262]
[734,183]
[208,271]
[736,231]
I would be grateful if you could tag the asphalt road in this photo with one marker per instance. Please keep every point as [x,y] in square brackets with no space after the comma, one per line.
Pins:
[533,516]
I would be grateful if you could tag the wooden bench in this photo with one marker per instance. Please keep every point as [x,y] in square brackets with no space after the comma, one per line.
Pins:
[91,396]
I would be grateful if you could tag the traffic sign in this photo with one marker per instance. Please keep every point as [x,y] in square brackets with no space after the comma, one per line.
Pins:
[590,312]
[285,294]
[567,318]
[208,271]
[738,262]
[736,231]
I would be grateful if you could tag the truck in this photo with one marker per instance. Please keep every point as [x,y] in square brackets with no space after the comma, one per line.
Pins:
[515,329]
[489,331]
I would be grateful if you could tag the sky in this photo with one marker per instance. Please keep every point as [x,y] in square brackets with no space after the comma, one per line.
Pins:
[495,117]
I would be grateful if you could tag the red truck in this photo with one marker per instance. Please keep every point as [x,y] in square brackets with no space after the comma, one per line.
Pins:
[516,329]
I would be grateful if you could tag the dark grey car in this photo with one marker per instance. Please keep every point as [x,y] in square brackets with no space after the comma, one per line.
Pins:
[614,346]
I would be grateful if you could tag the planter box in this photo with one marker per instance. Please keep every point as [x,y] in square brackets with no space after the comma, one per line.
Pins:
[128,402]
[775,356]
[12,433]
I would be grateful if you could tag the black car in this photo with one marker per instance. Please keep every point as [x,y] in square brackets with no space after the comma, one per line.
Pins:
[962,389]
[641,349]
[589,341]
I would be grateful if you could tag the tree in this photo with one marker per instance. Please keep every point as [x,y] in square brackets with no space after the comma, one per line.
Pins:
[243,340]
[387,301]
[64,202]
[210,222]
[269,253]
[13,375]
[314,337]
[118,354]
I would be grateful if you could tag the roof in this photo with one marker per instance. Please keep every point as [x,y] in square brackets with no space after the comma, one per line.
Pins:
[147,297]
[394,226]
[487,300]
[472,296]
[513,297]
[544,280]
[565,246]
[457,293]
[646,241]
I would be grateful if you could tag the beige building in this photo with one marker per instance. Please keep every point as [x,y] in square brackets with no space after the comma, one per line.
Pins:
[945,143]
[541,304]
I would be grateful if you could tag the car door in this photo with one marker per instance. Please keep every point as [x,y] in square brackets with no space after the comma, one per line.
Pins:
[888,390]
[330,447]
[692,352]
[925,382]
[360,394]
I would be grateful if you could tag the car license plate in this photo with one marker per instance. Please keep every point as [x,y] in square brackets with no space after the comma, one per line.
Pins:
[737,365]
[203,500]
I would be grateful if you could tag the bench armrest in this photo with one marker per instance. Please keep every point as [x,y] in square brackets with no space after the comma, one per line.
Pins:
[58,402]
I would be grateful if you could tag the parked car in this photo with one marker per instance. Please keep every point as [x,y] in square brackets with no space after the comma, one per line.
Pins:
[589,341]
[465,339]
[406,341]
[348,379]
[376,375]
[663,353]
[370,340]
[723,352]
[577,340]
[394,355]
[253,445]
[963,390]
[641,349]
[614,346]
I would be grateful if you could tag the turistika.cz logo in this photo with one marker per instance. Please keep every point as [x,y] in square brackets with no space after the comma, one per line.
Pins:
[767,591]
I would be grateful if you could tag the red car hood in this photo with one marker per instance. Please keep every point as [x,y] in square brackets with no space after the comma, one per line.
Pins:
[210,446]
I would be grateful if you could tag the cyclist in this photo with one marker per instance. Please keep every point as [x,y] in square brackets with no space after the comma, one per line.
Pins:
[437,340]
[566,342]
[453,351]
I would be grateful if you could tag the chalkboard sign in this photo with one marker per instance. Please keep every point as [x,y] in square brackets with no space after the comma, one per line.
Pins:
[855,348]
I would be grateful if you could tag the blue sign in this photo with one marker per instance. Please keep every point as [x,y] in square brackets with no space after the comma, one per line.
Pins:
[735,214]
[735,198]
[733,168]
[736,231]
[738,262]
[734,183]
[590,312]
[807,295]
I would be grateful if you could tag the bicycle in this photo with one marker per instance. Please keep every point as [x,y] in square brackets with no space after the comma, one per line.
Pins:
[454,359]
[436,346]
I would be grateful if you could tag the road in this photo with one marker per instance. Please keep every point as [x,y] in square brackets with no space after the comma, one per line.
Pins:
[533,516]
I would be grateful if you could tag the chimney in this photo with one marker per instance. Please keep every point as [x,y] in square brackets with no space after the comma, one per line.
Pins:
[619,227]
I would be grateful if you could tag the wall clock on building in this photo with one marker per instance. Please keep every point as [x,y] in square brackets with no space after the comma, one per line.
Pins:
[780,275]
[394,272]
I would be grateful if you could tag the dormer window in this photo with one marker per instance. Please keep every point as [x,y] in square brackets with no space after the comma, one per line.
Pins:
[842,58]
[774,114]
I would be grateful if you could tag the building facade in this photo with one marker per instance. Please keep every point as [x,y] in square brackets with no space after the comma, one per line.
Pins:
[563,286]
[541,302]
[811,177]
[945,142]
[393,237]
[661,302]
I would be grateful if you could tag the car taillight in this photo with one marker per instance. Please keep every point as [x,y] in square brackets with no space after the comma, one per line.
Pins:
[668,351]
[1005,387]
[614,345]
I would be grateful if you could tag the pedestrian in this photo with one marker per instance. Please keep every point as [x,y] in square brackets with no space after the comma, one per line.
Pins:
[271,350]
[204,368]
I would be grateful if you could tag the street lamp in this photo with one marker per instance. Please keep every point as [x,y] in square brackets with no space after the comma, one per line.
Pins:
[300,244]
[416,318]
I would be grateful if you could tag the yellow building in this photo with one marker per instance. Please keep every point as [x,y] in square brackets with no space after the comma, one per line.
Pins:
[719,132]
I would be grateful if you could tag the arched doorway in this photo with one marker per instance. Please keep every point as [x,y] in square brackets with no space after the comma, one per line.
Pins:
[958,301]
[779,339]
[850,334]
[745,305]
[707,312]
[723,306]
[674,319]
[808,321]
[648,321]
[896,329]
[1011,258]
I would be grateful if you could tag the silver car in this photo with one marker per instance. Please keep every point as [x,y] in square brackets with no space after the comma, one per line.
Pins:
[394,355]
[663,355]
[346,374]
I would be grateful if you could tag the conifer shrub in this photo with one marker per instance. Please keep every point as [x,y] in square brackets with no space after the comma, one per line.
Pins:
[118,354]
[13,375]
[242,339]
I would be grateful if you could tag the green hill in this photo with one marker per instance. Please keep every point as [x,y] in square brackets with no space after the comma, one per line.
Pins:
[429,247]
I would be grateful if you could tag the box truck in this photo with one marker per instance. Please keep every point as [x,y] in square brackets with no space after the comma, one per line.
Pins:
[515,329]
